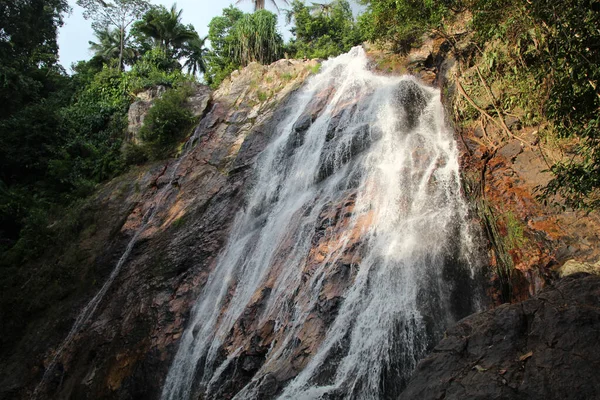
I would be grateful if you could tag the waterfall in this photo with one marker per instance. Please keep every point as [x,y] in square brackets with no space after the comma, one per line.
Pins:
[364,168]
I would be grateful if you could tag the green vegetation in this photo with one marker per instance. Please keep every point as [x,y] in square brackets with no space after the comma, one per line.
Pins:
[322,30]
[400,23]
[255,38]
[167,122]
[61,135]
[118,15]
[238,39]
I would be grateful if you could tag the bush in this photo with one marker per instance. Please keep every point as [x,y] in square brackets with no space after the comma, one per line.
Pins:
[400,22]
[167,122]
[237,39]
[323,30]
[153,69]
[134,154]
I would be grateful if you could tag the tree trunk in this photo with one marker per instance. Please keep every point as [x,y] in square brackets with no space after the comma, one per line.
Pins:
[122,39]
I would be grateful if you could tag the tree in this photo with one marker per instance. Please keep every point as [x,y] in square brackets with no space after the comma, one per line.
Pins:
[323,30]
[260,4]
[28,50]
[108,46]
[33,87]
[118,13]
[238,38]
[195,53]
[164,27]
[220,61]
[400,22]
[571,61]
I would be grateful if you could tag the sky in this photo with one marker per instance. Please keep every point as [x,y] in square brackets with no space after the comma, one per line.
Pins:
[75,34]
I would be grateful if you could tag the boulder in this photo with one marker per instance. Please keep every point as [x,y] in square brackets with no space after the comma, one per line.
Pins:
[574,267]
[547,347]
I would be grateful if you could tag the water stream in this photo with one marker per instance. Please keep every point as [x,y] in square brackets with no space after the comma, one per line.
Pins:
[380,146]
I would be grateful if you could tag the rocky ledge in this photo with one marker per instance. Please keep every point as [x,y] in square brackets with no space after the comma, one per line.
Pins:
[547,347]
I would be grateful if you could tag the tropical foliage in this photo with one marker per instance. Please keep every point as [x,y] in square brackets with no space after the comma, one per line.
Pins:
[400,23]
[118,14]
[572,55]
[255,38]
[108,47]
[165,30]
[322,30]
[60,135]
[167,122]
[237,39]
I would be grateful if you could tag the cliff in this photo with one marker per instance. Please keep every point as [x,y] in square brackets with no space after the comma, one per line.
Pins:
[164,226]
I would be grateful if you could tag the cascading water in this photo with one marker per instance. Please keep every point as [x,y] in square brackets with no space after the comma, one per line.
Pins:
[377,149]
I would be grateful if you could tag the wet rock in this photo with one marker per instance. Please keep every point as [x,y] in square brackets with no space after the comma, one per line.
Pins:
[299,132]
[268,387]
[547,347]
[409,96]
[337,153]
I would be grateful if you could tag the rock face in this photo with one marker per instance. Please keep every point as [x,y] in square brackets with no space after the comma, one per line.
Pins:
[138,110]
[547,347]
[175,215]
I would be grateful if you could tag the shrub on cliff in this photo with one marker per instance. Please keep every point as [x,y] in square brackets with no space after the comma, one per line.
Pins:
[167,122]
[400,22]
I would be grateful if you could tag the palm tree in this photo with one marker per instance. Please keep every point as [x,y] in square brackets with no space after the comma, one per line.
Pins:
[195,54]
[165,28]
[108,46]
[260,4]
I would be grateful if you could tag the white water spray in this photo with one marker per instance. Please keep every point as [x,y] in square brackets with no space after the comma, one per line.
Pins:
[381,141]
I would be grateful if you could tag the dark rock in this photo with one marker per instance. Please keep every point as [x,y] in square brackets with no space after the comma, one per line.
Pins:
[409,96]
[547,347]
[512,123]
[336,154]
[268,386]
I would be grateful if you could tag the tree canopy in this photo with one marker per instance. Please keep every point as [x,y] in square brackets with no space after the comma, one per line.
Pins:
[119,14]
[237,39]
[323,30]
